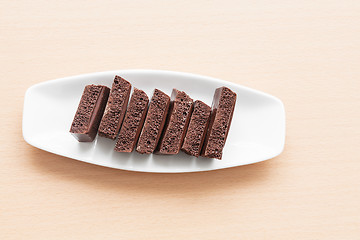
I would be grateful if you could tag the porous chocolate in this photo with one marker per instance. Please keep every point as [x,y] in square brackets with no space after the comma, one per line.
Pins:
[176,123]
[154,122]
[115,108]
[196,131]
[222,112]
[133,122]
[89,112]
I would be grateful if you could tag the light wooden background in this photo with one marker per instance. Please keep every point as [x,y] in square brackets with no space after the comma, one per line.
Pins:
[307,53]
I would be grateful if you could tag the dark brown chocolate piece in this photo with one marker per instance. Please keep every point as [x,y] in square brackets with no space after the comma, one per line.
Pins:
[222,112]
[115,108]
[154,122]
[196,131]
[176,123]
[133,122]
[89,112]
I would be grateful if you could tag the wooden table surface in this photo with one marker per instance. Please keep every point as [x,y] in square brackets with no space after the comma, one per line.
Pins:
[307,53]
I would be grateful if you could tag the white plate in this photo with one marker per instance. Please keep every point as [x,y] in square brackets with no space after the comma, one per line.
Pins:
[257,132]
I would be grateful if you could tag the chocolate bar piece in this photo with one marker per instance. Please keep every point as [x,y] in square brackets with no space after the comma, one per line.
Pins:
[133,122]
[154,122]
[89,112]
[222,112]
[176,123]
[196,131]
[115,108]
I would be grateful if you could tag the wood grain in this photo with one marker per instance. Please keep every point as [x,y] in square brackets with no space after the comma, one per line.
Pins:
[305,52]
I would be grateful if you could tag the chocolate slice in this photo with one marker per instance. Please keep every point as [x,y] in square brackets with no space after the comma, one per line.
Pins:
[115,108]
[222,112]
[196,131]
[89,112]
[133,122]
[154,122]
[176,124]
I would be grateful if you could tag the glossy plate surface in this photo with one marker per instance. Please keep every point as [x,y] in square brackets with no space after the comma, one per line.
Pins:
[257,132]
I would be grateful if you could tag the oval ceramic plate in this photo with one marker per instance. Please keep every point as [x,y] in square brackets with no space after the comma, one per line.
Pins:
[257,132]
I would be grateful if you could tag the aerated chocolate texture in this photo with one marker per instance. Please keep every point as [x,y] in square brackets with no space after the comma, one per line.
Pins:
[196,131]
[89,112]
[222,112]
[133,122]
[115,108]
[163,126]
[176,123]
[154,122]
